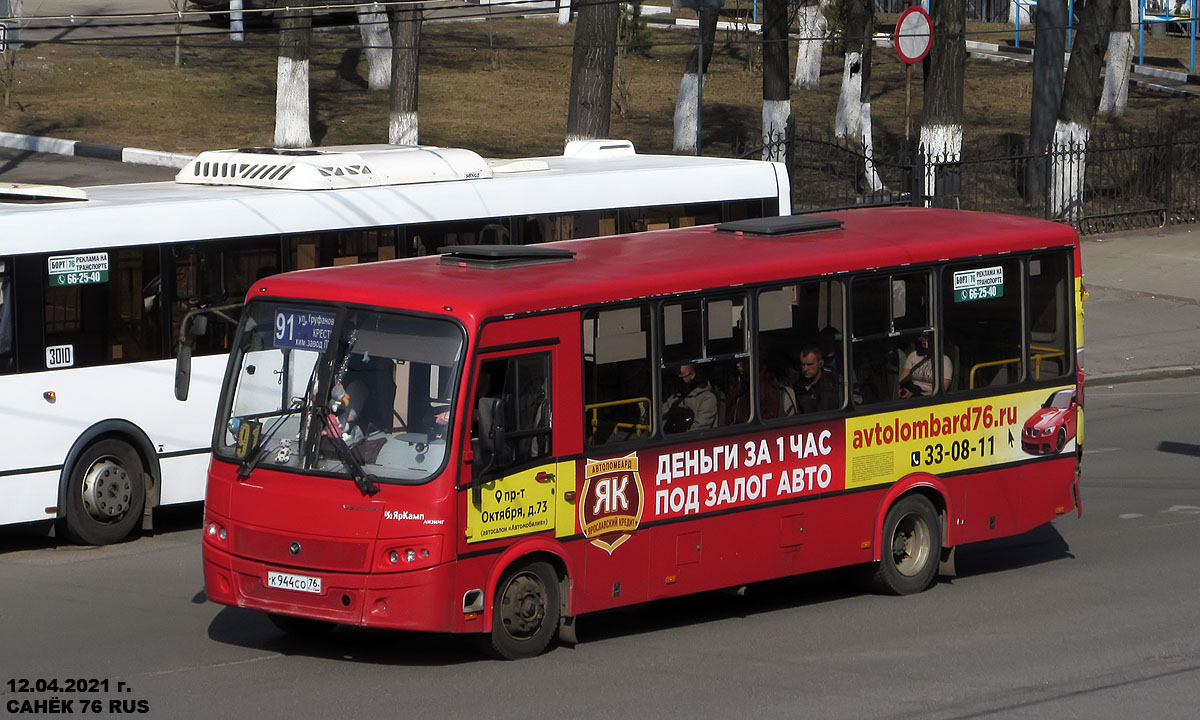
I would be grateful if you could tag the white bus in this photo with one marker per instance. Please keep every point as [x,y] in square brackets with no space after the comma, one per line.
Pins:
[95,285]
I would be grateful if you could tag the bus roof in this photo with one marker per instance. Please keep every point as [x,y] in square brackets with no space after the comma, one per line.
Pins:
[670,261]
[588,177]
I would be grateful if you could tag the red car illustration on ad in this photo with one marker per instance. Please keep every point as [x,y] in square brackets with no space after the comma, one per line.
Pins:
[1052,427]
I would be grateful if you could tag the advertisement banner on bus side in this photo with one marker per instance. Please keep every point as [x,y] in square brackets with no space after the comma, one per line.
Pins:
[621,494]
[958,436]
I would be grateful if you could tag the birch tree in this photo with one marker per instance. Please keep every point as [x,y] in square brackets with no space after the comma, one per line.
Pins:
[405,22]
[942,112]
[373,28]
[1049,50]
[777,103]
[291,77]
[812,26]
[1081,98]
[589,107]
[686,127]
[1115,94]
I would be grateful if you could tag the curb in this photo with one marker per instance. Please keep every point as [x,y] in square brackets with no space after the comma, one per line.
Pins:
[78,148]
[1160,373]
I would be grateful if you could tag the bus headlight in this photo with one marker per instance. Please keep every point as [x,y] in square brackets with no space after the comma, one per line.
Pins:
[410,553]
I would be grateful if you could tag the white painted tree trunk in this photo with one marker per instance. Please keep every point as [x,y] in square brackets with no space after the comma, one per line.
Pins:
[373,27]
[236,21]
[402,128]
[871,175]
[564,12]
[1013,8]
[1067,170]
[775,115]
[291,104]
[939,144]
[1115,95]
[685,114]
[813,27]
[848,122]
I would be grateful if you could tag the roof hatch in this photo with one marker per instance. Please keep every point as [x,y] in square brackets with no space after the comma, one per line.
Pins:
[333,167]
[785,225]
[502,256]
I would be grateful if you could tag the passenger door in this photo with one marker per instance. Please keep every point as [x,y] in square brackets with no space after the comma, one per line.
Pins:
[516,433]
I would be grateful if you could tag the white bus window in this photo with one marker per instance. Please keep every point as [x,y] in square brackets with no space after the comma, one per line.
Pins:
[7,320]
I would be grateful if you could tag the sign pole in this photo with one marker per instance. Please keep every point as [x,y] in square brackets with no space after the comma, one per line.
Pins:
[907,100]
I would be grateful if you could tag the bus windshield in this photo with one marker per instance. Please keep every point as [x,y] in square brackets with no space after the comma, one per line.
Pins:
[313,384]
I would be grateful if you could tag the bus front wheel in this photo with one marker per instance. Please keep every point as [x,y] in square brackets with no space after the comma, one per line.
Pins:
[106,494]
[911,547]
[526,611]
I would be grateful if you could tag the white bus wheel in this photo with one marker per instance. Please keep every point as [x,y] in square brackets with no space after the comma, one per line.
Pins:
[106,493]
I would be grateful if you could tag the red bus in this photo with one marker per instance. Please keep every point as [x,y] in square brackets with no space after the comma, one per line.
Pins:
[500,439]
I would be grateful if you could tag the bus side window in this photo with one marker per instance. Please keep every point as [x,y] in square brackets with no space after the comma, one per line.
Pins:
[982,317]
[7,321]
[890,313]
[790,319]
[217,274]
[1050,301]
[616,372]
[705,358]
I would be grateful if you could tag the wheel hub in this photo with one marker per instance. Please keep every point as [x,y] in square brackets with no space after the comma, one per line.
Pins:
[910,546]
[107,490]
[524,606]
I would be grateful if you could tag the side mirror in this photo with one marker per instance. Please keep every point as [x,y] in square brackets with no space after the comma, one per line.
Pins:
[195,325]
[183,372]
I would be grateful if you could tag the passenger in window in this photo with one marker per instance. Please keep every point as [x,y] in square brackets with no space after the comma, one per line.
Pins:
[916,375]
[693,406]
[775,398]
[818,389]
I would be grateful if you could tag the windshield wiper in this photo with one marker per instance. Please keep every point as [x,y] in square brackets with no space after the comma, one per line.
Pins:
[256,453]
[365,482]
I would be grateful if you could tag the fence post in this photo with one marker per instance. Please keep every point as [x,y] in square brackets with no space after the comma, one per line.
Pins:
[1047,177]
[1170,210]
[789,156]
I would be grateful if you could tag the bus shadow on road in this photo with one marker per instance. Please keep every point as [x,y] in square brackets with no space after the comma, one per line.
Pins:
[1043,544]
[252,629]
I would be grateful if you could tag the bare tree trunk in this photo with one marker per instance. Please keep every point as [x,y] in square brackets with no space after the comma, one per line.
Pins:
[688,102]
[777,103]
[813,27]
[177,7]
[590,106]
[405,21]
[1081,97]
[373,27]
[291,93]
[1048,53]
[1120,57]
[942,113]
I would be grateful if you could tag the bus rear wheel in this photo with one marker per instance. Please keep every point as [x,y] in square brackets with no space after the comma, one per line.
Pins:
[912,545]
[106,494]
[526,611]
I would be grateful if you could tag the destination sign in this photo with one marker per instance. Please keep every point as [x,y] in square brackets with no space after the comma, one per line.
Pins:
[303,329]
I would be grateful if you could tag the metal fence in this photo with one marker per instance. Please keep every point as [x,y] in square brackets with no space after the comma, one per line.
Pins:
[1116,181]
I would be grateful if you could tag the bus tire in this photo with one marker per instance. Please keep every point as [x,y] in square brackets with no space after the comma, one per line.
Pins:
[912,546]
[526,611]
[106,494]
[300,627]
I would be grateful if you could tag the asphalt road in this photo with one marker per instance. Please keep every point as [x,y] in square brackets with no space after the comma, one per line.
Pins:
[1091,618]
